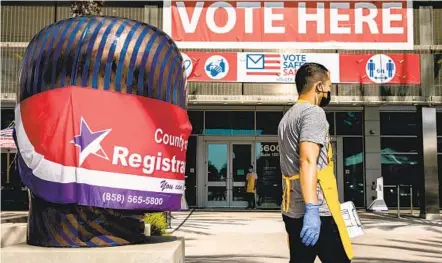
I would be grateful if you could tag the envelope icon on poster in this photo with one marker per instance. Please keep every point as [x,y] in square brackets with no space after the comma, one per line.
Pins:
[255,61]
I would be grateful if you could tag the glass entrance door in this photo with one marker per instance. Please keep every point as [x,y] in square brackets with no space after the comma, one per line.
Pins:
[227,167]
[241,156]
[269,188]
[217,165]
[334,145]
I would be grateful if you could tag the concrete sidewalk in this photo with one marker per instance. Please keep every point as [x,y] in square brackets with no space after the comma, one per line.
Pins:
[259,236]
[216,237]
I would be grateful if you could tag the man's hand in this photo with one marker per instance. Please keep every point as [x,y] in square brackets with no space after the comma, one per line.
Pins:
[311,225]
[308,156]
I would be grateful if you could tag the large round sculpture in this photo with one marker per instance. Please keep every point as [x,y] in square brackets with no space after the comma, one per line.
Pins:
[101,130]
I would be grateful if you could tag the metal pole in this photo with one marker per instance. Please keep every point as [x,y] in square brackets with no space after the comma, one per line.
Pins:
[170,219]
[411,198]
[398,202]
[166,214]
[8,164]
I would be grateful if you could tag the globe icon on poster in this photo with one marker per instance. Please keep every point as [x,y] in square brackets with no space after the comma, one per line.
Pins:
[380,68]
[188,65]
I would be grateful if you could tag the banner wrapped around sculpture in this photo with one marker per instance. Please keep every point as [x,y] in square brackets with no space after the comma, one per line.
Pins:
[101,130]
[97,154]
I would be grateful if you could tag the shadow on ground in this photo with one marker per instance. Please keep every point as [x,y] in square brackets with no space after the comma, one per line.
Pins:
[198,223]
[386,260]
[259,259]
[425,248]
[389,222]
[231,259]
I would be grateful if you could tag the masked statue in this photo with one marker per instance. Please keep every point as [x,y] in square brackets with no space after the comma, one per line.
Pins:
[101,130]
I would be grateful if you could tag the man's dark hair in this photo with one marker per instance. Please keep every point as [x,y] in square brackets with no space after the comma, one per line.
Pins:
[308,74]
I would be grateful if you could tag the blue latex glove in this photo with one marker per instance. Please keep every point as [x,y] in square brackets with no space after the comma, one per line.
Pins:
[311,225]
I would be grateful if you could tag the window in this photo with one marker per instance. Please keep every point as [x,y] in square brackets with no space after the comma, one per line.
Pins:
[439,142]
[349,123]
[439,145]
[230,123]
[439,166]
[331,122]
[197,120]
[190,177]
[4,168]
[267,122]
[439,159]
[439,123]
[438,70]
[399,145]
[400,158]
[400,169]
[269,189]
[399,123]
[8,116]
[353,154]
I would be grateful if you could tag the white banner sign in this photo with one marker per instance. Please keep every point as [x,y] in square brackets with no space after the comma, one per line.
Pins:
[290,24]
[282,67]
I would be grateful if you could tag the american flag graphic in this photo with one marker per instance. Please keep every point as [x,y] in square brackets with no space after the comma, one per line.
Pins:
[6,139]
[263,64]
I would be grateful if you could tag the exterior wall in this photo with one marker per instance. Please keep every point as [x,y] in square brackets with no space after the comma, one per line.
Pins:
[372,151]
[21,21]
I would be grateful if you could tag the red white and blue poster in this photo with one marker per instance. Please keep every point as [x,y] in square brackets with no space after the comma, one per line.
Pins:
[282,67]
[103,149]
[210,66]
[380,68]
[267,67]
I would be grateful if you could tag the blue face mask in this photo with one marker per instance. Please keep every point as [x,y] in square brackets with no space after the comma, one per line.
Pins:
[250,170]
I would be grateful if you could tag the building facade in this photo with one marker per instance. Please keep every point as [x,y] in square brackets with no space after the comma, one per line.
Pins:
[387,130]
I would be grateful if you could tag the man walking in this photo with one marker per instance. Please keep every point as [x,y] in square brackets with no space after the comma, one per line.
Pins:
[310,205]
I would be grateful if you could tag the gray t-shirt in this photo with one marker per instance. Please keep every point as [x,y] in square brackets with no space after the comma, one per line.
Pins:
[303,122]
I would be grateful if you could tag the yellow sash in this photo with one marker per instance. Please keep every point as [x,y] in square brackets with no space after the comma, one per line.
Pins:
[250,183]
[327,181]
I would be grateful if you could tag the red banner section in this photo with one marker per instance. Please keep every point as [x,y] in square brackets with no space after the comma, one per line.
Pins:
[290,24]
[211,66]
[380,68]
[281,67]
[101,148]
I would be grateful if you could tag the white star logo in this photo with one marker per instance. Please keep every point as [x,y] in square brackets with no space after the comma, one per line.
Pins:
[89,142]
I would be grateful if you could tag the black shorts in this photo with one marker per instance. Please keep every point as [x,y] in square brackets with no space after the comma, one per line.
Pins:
[329,247]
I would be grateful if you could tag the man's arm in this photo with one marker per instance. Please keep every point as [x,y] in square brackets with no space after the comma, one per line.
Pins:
[313,134]
[308,156]
[312,137]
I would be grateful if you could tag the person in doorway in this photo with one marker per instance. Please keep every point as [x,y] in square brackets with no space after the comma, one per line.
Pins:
[251,180]
[310,204]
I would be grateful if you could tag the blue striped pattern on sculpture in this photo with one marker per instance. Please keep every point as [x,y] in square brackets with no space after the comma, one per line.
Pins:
[106,53]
